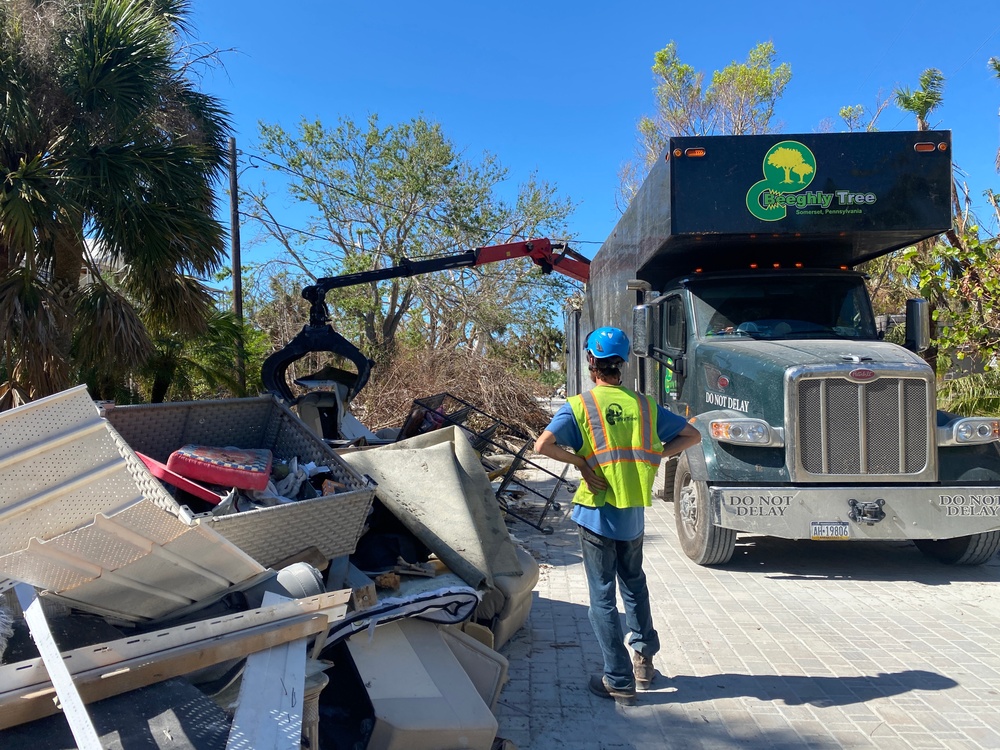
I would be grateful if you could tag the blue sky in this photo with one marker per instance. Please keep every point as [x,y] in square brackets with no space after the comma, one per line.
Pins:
[558,87]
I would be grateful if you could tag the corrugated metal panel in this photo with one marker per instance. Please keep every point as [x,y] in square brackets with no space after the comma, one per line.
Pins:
[81,517]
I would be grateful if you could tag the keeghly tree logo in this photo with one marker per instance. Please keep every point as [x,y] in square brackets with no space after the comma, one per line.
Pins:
[789,167]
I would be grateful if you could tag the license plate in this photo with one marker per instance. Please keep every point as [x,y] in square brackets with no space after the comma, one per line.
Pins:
[830,530]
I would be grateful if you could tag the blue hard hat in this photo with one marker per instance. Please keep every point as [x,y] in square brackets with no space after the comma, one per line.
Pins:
[608,342]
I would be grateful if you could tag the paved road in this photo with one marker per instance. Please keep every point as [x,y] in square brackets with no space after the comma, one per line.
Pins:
[791,645]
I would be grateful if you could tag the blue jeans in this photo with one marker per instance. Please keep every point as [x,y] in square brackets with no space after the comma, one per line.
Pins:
[604,561]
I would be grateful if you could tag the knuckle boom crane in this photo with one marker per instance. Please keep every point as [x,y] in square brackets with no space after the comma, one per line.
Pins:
[319,336]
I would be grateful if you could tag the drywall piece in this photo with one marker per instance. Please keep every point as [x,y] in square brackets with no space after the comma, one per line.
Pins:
[269,712]
[422,697]
[72,705]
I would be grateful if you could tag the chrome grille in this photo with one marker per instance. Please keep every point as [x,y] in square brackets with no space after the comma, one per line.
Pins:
[877,427]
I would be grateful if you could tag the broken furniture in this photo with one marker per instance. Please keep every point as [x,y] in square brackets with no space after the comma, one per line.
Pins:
[331,523]
[120,542]
[422,697]
[435,485]
[488,436]
[505,608]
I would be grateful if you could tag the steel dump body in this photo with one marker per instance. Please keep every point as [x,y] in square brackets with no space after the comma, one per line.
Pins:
[741,249]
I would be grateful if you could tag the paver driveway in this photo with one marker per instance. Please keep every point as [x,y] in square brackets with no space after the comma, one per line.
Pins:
[791,645]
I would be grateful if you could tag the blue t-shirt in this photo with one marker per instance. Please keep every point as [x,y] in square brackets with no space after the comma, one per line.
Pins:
[622,524]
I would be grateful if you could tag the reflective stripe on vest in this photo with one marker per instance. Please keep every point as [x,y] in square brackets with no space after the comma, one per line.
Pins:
[629,466]
[605,454]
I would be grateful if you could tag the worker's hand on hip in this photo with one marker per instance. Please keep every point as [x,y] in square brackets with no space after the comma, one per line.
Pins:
[594,482]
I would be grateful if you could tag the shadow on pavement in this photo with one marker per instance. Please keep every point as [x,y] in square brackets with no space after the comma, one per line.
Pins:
[795,690]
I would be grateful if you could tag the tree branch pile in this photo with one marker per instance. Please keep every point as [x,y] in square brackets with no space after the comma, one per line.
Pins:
[483,382]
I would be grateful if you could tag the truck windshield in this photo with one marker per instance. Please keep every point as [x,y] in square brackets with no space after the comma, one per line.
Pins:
[783,307]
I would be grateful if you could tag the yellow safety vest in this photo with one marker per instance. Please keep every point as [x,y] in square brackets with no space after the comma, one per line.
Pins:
[619,443]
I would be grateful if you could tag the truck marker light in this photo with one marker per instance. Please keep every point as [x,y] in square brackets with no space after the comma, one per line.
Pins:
[697,270]
[923,147]
[694,152]
[776,265]
[973,430]
[942,146]
[723,381]
[753,265]
[798,265]
[678,153]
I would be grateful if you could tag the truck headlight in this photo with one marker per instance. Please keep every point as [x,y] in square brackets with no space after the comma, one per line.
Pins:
[745,432]
[975,430]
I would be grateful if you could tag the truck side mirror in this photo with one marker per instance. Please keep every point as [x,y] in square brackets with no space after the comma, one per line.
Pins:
[918,325]
[642,324]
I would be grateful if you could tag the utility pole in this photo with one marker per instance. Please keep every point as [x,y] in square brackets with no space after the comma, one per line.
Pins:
[234,233]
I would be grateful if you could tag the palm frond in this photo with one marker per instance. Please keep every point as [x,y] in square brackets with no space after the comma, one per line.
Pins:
[110,337]
[36,348]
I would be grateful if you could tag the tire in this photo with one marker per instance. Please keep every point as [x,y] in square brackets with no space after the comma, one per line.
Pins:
[963,550]
[702,541]
[663,487]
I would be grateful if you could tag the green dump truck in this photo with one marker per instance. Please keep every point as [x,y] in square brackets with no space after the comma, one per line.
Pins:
[732,269]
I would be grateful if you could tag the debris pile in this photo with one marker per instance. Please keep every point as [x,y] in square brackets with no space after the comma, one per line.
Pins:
[240,584]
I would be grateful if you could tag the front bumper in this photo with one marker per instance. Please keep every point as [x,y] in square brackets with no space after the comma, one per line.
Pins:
[871,513]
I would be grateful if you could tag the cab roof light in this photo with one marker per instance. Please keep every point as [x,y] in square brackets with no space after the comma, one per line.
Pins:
[694,152]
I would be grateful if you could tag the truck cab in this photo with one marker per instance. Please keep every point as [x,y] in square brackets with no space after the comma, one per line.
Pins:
[756,327]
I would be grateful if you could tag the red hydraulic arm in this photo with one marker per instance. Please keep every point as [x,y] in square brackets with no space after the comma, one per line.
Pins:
[551,256]
[543,253]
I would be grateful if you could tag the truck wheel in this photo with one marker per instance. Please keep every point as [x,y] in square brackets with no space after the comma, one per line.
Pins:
[701,540]
[663,487]
[963,550]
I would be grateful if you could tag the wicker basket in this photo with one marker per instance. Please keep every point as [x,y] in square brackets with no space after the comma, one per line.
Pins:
[332,523]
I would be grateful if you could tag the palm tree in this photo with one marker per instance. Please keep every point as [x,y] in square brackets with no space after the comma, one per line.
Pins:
[925,99]
[102,137]
[921,103]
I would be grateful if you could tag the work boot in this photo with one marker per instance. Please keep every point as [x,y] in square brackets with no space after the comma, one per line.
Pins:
[599,686]
[644,670]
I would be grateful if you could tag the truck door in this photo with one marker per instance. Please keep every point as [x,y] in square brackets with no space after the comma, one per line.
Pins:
[672,375]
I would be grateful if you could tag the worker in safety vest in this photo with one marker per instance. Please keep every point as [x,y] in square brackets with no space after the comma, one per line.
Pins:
[618,438]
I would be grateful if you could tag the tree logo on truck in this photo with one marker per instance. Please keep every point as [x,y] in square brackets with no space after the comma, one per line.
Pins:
[789,168]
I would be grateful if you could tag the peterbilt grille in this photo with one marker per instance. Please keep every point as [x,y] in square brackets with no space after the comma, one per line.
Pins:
[878,427]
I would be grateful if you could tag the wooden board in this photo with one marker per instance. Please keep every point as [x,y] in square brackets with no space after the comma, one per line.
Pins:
[28,704]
